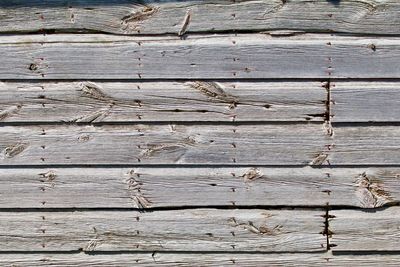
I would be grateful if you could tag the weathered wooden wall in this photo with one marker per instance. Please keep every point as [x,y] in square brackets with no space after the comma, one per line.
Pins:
[199,133]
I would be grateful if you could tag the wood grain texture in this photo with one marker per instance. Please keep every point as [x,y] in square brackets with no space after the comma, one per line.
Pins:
[161,101]
[158,17]
[239,56]
[178,230]
[145,187]
[167,187]
[365,101]
[357,230]
[364,145]
[163,144]
[271,144]
[199,259]
[363,187]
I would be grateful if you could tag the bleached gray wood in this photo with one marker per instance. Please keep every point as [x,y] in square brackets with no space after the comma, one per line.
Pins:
[357,230]
[355,145]
[296,144]
[94,56]
[174,230]
[199,259]
[168,187]
[266,144]
[145,187]
[87,101]
[363,187]
[155,17]
[365,101]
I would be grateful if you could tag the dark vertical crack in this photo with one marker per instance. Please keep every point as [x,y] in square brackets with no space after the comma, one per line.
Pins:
[328,115]
[327,231]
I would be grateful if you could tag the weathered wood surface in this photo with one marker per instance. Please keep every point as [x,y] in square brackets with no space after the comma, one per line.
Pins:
[96,56]
[162,101]
[145,187]
[365,101]
[199,259]
[158,17]
[163,259]
[173,230]
[294,144]
[164,144]
[357,230]
[353,145]
[363,187]
[167,187]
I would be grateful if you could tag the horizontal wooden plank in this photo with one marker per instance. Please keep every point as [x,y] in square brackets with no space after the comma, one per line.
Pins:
[363,187]
[197,187]
[199,259]
[365,101]
[365,145]
[163,144]
[162,101]
[95,56]
[356,230]
[252,144]
[155,17]
[179,230]
[165,187]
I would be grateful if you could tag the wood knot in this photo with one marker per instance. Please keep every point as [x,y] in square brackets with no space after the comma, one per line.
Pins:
[33,67]
[260,230]
[133,20]
[4,114]
[214,92]
[370,191]
[92,90]
[84,138]
[12,151]
[319,159]
[372,47]
[252,174]
[50,176]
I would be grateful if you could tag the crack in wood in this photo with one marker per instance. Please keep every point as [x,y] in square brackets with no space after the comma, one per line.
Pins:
[185,23]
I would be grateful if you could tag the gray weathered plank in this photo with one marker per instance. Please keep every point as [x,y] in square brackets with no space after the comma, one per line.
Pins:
[363,187]
[178,230]
[163,144]
[94,56]
[161,101]
[199,259]
[365,101]
[365,145]
[293,144]
[357,230]
[157,17]
[166,187]
[144,187]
